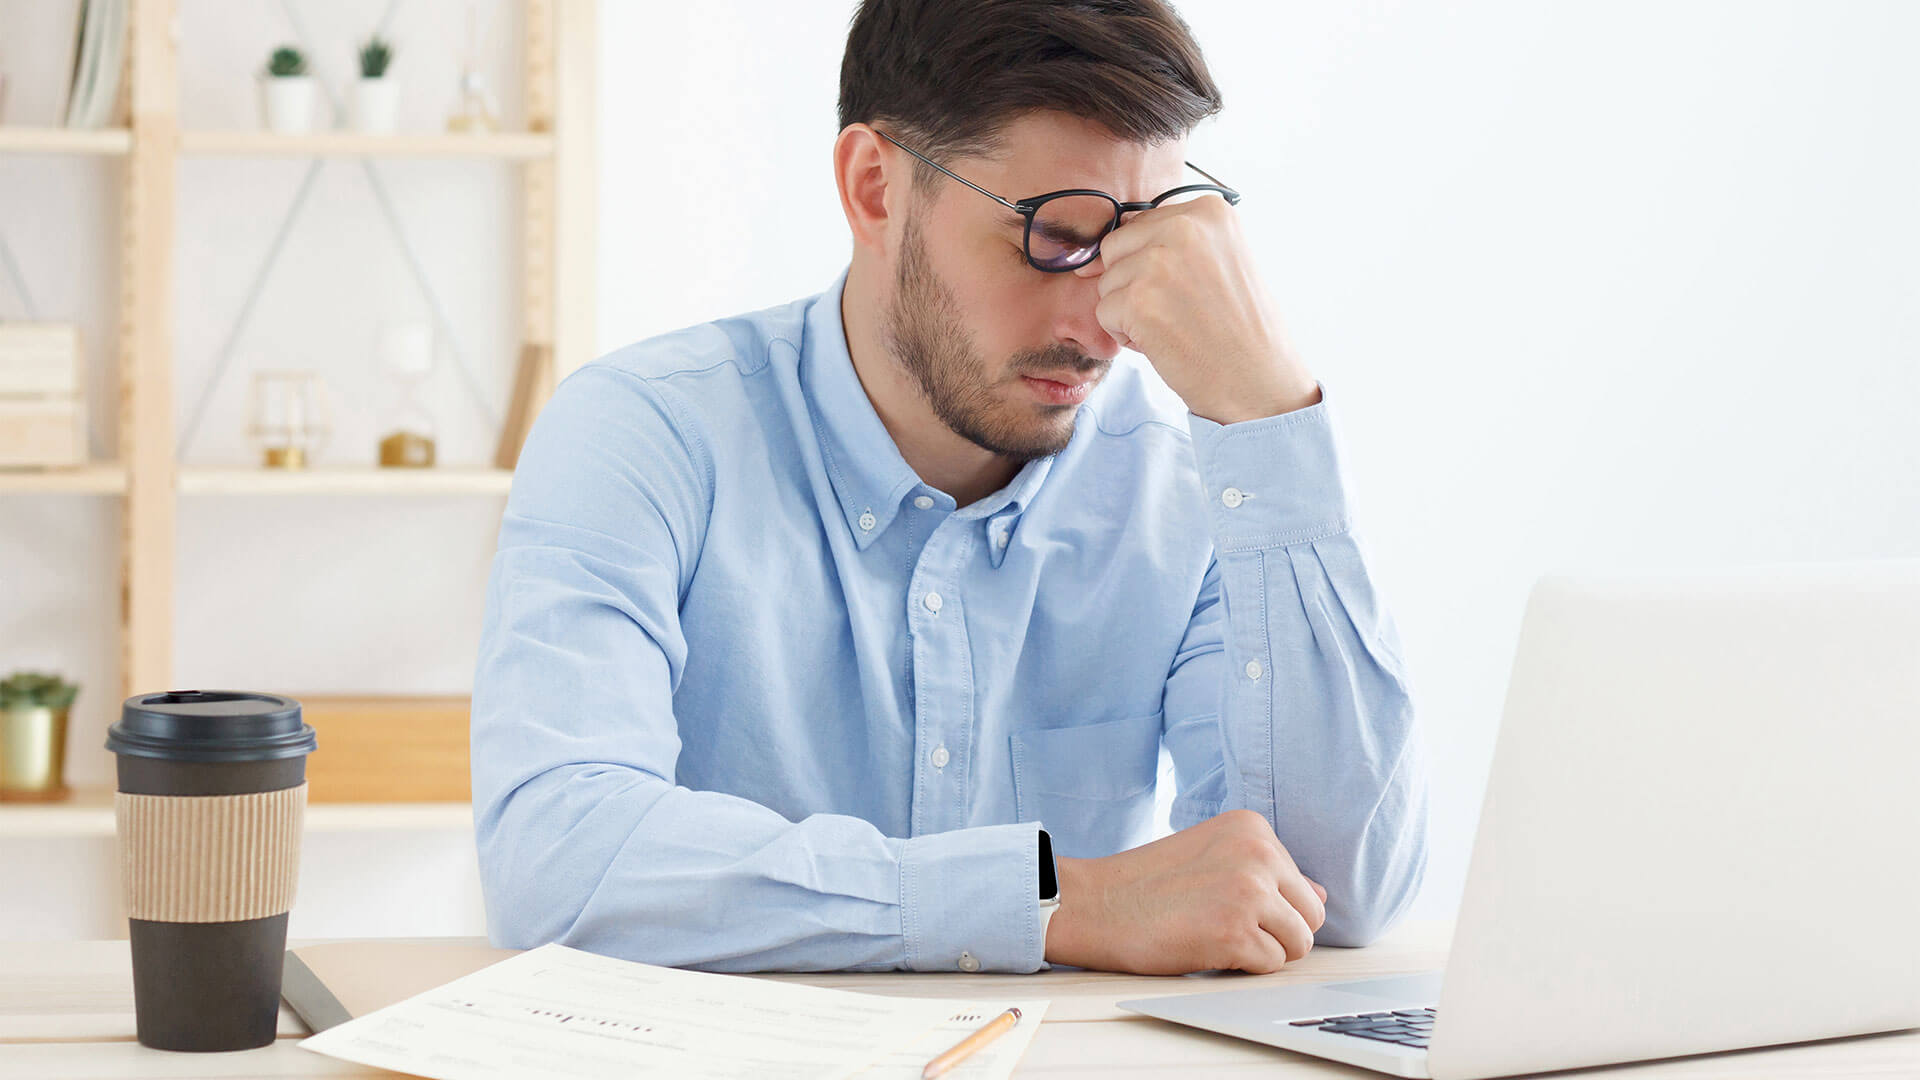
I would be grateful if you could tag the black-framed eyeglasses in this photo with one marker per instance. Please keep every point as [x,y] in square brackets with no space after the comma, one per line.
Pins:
[1063,229]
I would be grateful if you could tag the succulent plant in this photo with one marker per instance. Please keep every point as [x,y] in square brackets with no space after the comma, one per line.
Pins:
[375,55]
[30,690]
[286,62]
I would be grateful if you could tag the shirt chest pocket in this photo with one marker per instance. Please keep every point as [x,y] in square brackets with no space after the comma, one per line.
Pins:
[1090,785]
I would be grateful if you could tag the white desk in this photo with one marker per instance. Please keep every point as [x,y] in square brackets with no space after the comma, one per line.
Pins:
[66,1013]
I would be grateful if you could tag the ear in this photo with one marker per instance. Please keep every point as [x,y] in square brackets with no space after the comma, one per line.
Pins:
[872,182]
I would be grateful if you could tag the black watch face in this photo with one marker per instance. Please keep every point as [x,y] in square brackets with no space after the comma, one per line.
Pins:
[1049,886]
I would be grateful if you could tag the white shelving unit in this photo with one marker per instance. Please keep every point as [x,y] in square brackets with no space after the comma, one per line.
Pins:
[39,140]
[90,813]
[512,146]
[103,478]
[346,480]
[553,160]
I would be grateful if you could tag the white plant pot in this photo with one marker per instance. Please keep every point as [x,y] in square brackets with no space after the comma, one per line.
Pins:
[289,103]
[376,104]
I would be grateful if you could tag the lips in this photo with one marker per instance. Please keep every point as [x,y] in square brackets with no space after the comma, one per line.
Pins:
[1067,378]
[1061,388]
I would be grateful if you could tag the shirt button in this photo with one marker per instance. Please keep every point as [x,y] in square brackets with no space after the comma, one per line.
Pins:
[932,600]
[1253,669]
[924,502]
[1000,539]
[968,963]
[867,521]
[940,757]
[1232,497]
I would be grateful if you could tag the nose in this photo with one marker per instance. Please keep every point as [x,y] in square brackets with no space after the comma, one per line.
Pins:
[1076,295]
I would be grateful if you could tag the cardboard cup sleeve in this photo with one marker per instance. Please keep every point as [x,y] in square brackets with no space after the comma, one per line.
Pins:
[209,858]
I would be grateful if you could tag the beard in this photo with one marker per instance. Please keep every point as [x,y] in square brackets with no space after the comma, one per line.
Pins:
[927,333]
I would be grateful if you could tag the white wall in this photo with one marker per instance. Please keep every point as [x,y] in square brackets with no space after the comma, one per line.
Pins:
[1590,284]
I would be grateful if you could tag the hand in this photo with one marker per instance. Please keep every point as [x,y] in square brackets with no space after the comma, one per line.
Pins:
[1221,895]
[1177,284]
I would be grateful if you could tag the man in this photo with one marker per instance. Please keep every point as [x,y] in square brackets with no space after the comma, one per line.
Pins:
[835,636]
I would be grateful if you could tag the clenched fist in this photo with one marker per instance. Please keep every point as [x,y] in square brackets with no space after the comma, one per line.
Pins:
[1221,895]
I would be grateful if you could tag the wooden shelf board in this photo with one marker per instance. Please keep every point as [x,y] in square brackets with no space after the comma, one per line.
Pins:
[345,480]
[89,812]
[101,479]
[507,145]
[53,140]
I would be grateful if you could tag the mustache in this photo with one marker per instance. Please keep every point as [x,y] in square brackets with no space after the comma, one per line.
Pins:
[1058,358]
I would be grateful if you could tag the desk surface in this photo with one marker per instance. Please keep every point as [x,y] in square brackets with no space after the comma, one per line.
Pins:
[66,1013]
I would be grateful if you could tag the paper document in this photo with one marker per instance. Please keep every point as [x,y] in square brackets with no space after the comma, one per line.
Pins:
[561,1012]
[994,1061]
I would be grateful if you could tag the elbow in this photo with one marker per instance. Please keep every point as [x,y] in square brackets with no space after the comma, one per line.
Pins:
[529,891]
[1365,915]
[1358,924]
[547,846]
[522,910]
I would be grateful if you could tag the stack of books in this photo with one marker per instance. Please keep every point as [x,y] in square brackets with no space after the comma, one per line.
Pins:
[99,54]
[43,408]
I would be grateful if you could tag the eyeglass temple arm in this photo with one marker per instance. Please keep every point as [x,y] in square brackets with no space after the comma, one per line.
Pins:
[1011,206]
[1211,177]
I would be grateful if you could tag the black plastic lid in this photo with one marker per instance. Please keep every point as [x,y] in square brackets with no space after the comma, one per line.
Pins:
[211,725]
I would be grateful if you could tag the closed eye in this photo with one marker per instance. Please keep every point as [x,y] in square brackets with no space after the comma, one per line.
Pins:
[1060,233]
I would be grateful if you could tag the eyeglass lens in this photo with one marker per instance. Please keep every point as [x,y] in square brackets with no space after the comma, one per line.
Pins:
[1067,230]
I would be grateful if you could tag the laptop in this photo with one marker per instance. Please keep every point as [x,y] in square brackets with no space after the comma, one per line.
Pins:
[1701,832]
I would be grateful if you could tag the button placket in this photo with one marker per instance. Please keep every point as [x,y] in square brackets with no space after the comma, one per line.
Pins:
[942,705]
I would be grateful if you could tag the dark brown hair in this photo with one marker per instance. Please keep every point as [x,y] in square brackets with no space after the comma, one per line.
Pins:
[949,75]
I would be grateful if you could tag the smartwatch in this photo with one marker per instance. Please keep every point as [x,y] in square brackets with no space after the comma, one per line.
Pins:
[1049,885]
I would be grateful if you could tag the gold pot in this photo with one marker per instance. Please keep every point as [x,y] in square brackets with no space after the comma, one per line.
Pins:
[33,754]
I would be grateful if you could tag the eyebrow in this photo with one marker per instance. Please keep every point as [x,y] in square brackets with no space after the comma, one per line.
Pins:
[1048,229]
[1054,231]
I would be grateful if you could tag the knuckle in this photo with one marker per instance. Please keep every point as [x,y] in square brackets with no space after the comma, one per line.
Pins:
[1242,819]
[1245,890]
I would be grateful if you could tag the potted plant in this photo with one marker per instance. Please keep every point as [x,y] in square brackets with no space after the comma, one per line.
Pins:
[288,92]
[33,736]
[376,98]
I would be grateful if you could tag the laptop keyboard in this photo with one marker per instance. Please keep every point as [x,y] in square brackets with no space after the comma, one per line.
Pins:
[1407,1027]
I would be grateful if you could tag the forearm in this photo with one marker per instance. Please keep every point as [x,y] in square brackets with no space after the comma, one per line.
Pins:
[618,862]
[1317,722]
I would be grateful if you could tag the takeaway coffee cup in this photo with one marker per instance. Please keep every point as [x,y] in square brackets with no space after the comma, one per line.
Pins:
[213,789]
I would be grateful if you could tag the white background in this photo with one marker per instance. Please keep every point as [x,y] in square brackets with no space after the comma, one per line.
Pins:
[1589,286]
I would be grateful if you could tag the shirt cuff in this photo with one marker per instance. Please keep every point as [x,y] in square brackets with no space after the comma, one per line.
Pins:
[1273,481]
[970,899]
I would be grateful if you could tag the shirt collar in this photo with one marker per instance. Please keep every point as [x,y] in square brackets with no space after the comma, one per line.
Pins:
[868,474]
[870,479]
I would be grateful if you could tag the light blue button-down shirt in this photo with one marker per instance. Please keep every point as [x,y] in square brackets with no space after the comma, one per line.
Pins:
[752,696]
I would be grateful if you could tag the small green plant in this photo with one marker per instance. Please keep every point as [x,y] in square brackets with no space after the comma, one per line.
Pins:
[30,690]
[375,55]
[286,63]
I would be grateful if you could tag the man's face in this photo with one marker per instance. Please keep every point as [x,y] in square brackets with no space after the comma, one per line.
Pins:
[1004,353]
